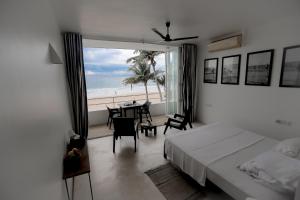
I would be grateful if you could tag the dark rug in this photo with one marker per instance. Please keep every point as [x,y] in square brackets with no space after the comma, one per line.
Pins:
[175,185]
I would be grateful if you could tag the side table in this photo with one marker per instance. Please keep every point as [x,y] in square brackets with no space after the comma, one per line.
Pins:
[83,168]
[148,127]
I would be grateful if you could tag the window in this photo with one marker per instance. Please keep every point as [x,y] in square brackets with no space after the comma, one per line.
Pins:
[112,79]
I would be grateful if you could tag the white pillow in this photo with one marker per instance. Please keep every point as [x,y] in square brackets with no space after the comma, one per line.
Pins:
[289,147]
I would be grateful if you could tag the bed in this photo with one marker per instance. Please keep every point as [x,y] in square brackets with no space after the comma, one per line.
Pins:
[214,151]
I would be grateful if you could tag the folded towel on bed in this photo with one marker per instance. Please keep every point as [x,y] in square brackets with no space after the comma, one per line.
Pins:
[274,169]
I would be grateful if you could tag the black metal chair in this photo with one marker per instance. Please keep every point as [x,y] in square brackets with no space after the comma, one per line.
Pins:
[125,126]
[179,121]
[145,110]
[112,113]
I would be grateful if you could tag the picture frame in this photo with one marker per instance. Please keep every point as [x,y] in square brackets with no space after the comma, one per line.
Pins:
[211,70]
[290,67]
[259,68]
[231,69]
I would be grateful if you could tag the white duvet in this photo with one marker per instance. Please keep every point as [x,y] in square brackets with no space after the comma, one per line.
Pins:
[275,170]
[194,150]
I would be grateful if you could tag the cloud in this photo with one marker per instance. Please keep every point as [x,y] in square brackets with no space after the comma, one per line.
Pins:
[112,62]
[121,72]
[161,62]
[113,72]
[101,56]
[88,72]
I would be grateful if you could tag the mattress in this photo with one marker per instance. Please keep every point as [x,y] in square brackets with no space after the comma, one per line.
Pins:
[224,172]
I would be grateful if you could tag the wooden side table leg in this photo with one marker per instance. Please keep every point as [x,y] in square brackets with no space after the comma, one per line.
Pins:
[146,132]
[91,187]
[67,189]
[155,131]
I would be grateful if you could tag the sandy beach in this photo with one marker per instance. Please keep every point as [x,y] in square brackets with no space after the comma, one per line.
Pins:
[100,103]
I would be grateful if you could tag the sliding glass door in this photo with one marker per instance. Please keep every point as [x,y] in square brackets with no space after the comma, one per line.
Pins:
[172,62]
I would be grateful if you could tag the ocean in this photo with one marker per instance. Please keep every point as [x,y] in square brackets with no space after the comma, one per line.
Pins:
[108,86]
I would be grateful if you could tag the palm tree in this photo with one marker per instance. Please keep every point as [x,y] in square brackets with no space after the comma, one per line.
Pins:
[142,74]
[162,81]
[149,57]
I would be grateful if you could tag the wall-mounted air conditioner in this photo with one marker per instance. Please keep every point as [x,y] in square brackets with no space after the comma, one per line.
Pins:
[226,43]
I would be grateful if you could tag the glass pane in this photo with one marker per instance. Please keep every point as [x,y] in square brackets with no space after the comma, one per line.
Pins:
[172,81]
[109,78]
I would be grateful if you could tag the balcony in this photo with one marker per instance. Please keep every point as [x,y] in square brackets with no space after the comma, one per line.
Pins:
[98,111]
[100,103]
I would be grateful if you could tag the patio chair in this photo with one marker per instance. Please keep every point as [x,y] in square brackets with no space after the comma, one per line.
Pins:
[179,121]
[145,110]
[112,113]
[124,126]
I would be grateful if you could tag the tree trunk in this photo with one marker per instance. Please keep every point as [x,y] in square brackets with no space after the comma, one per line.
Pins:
[159,91]
[157,85]
[146,88]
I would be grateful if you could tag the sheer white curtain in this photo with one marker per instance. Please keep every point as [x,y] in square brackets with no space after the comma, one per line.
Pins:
[172,62]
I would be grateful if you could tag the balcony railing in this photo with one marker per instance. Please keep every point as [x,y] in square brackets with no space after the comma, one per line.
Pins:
[100,103]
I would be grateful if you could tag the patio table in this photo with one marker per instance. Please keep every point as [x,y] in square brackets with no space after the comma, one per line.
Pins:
[131,106]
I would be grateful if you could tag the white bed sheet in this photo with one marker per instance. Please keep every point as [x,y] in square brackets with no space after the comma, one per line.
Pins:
[200,147]
[238,184]
[224,171]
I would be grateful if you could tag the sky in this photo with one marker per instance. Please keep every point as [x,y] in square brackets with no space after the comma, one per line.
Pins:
[111,62]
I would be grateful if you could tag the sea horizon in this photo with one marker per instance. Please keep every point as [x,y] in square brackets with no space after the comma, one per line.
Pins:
[99,86]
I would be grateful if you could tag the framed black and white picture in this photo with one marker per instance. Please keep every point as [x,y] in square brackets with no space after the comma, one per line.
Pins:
[211,70]
[259,68]
[231,69]
[290,69]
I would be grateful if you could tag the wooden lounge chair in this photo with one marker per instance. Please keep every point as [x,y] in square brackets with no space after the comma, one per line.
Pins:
[179,121]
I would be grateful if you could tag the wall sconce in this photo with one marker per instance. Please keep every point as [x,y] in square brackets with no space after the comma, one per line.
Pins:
[53,56]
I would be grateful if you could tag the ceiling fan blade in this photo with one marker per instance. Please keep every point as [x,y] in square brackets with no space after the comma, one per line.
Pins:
[159,33]
[185,38]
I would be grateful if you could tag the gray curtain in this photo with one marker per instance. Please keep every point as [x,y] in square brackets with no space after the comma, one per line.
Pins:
[76,82]
[188,79]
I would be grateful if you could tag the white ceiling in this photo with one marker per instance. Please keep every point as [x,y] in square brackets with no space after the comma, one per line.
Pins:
[132,20]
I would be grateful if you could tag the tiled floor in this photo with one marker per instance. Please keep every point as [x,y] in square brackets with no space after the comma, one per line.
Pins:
[121,175]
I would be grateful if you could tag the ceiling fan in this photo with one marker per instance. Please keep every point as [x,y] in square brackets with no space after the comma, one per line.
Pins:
[168,38]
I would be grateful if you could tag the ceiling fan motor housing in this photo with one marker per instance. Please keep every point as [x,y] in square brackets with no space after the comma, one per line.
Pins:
[168,38]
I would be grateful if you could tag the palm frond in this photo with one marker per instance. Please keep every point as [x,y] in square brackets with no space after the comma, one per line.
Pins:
[131,80]
[161,80]
[141,73]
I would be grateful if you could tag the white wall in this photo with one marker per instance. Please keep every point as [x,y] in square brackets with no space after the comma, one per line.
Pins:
[34,111]
[255,107]
[99,117]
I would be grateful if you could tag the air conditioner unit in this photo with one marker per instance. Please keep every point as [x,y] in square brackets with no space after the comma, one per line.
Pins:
[226,43]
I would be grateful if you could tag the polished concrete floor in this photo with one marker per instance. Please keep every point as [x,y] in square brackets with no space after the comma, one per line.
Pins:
[121,175]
